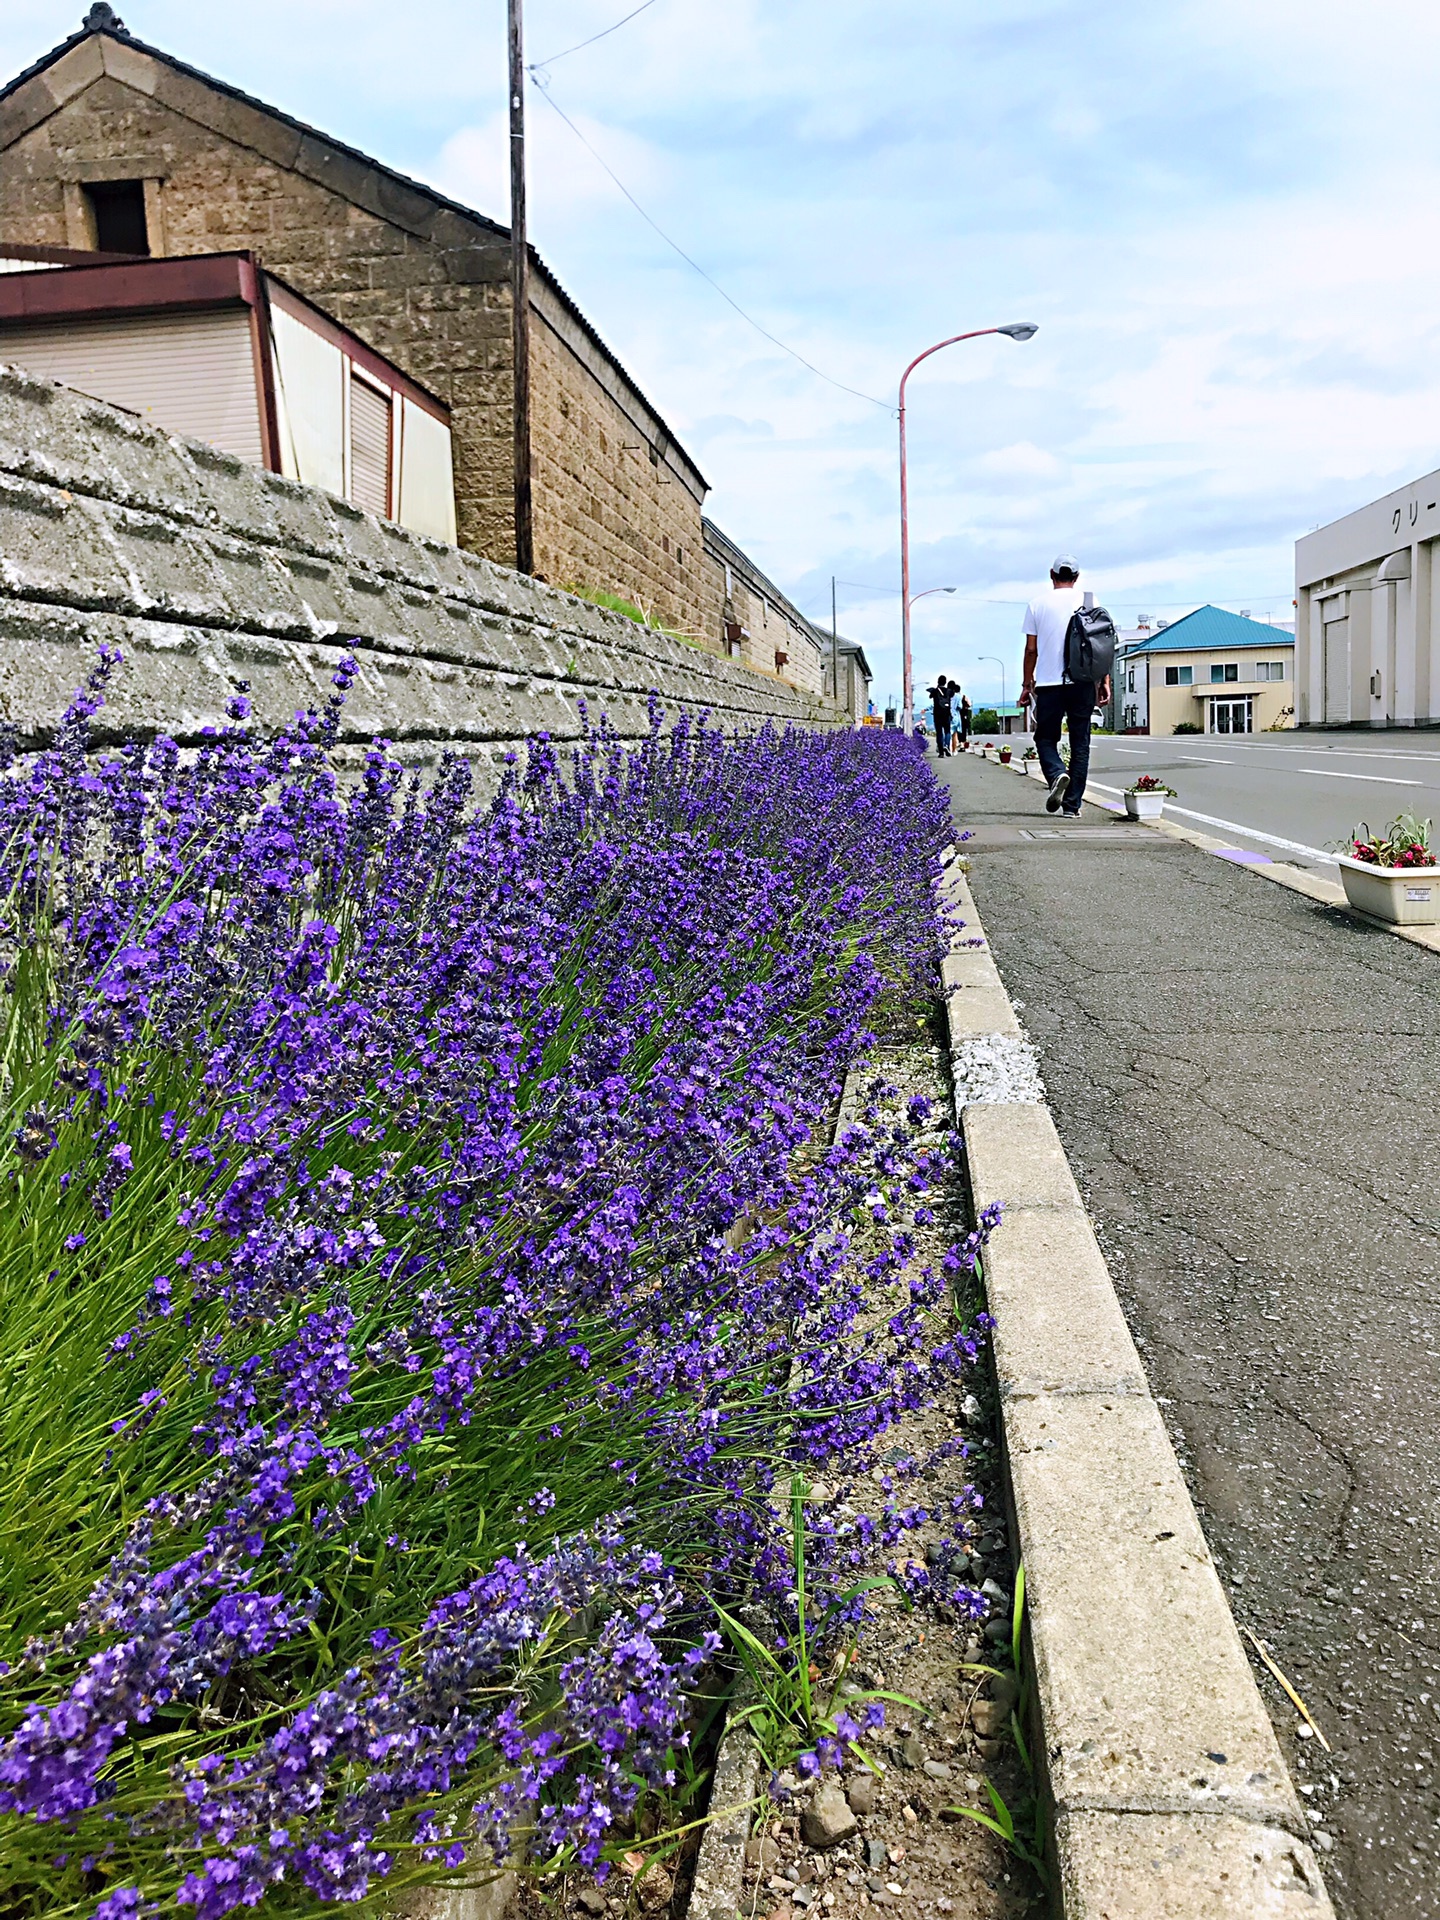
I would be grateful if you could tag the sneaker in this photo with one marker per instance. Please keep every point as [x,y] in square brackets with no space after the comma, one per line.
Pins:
[1059,787]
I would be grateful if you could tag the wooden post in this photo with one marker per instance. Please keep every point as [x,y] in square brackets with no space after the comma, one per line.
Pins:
[520,295]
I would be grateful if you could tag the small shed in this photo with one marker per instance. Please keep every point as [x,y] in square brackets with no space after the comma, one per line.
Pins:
[212,346]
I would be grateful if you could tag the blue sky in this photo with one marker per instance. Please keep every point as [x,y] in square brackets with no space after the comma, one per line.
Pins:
[1221,214]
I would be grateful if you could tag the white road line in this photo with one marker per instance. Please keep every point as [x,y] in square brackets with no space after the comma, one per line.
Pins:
[1350,753]
[1234,826]
[1384,779]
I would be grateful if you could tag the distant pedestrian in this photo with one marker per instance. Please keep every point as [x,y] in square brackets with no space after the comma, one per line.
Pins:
[939,696]
[1058,696]
[965,719]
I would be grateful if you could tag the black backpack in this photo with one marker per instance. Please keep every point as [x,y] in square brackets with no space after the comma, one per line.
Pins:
[1089,645]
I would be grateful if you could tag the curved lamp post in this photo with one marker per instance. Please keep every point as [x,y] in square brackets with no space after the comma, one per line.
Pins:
[910,603]
[1016,330]
[991,661]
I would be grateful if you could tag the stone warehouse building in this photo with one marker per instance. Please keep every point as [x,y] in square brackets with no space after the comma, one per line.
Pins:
[111,145]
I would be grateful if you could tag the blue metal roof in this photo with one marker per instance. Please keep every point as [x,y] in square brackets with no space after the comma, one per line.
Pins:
[1212,627]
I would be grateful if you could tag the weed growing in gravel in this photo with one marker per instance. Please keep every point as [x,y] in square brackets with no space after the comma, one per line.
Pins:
[1022,1827]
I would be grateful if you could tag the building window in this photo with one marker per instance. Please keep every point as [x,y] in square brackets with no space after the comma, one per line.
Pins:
[1179,676]
[1130,679]
[117,212]
[1220,673]
[1270,670]
[369,447]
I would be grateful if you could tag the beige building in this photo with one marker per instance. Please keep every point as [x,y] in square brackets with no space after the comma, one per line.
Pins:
[107,144]
[849,679]
[1366,621]
[1213,671]
[760,625]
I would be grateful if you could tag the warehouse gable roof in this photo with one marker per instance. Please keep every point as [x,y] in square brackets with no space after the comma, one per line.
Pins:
[105,46]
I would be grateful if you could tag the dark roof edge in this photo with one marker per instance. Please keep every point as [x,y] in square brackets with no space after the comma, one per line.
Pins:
[128,39]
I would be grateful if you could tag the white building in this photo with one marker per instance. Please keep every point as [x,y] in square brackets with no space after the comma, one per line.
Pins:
[1367,634]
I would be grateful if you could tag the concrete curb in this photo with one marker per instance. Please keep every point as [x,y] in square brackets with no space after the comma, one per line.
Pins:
[1169,1794]
[718,1888]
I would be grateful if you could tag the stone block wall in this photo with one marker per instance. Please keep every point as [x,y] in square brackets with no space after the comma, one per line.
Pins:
[426,283]
[756,621]
[205,571]
[611,509]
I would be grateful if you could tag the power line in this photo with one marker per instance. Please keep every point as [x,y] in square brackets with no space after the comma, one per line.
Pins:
[675,246]
[536,65]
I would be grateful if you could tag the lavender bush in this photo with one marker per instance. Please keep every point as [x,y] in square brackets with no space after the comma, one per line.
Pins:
[422,1248]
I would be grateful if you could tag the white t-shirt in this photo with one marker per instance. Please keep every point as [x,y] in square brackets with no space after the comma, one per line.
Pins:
[1047,617]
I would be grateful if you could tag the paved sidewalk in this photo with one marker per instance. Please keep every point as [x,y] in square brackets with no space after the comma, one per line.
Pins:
[1247,1086]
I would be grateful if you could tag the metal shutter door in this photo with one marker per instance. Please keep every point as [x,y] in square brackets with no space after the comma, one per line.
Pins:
[190,373]
[369,448]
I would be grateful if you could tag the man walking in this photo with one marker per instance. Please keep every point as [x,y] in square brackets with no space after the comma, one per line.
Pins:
[940,703]
[965,712]
[1057,699]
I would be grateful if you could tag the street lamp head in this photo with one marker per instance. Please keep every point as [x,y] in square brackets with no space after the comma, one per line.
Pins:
[1020,329]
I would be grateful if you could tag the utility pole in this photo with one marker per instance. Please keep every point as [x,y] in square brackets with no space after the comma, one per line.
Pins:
[834,645]
[520,295]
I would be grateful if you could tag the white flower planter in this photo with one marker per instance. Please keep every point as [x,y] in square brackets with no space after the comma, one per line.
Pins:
[1145,806]
[1403,896]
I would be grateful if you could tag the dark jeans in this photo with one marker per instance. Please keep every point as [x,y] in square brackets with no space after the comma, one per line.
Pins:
[1074,702]
[942,734]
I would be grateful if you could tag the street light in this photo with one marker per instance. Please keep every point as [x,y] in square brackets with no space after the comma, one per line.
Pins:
[991,661]
[1016,330]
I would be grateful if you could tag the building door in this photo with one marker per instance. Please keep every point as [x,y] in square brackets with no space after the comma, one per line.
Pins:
[1233,716]
[1337,671]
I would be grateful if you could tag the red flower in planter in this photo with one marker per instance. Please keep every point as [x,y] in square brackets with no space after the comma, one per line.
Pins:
[1404,843]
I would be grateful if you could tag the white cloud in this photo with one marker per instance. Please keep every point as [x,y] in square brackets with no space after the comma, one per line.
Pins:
[564,181]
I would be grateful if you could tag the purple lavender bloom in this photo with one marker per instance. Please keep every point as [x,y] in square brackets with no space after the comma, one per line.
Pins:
[447,1174]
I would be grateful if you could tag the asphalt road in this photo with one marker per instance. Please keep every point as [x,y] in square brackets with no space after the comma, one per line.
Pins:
[1305,791]
[1246,1083]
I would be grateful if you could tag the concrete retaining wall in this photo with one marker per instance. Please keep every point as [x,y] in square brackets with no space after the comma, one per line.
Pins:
[205,572]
